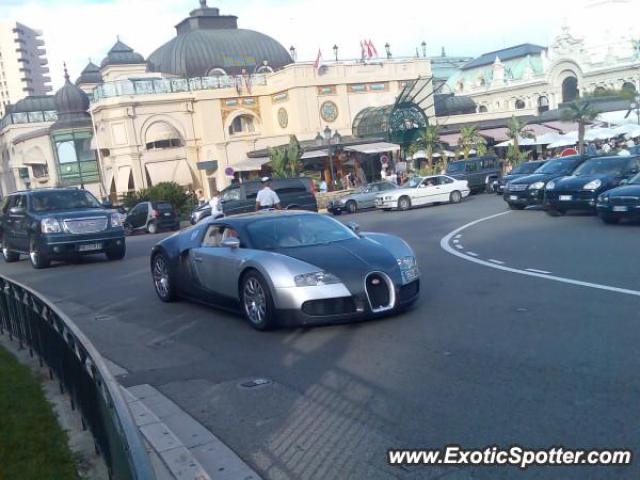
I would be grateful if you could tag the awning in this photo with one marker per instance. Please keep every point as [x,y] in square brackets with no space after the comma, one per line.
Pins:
[249,164]
[370,148]
[314,154]
[108,176]
[564,127]
[170,171]
[34,156]
[498,134]
[522,142]
[450,139]
[122,179]
[160,131]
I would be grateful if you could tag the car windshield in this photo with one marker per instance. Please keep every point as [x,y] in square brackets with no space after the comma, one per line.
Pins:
[455,167]
[296,231]
[614,166]
[525,168]
[164,207]
[558,166]
[413,182]
[63,200]
[635,180]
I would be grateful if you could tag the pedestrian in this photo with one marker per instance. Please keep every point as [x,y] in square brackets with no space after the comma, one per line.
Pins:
[266,197]
[214,203]
[323,186]
[200,198]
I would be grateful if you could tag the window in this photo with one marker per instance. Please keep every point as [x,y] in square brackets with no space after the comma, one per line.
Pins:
[489,163]
[160,144]
[242,124]
[483,109]
[265,69]
[520,104]
[213,237]
[443,180]
[216,72]
[543,104]
[233,194]
[40,171]
[471,167]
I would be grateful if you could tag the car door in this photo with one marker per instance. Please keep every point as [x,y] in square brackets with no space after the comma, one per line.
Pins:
[368,198]
[19,224]
[427,192]
[8,221]
[472,169]
[139,215]
[217,267]
[445,186]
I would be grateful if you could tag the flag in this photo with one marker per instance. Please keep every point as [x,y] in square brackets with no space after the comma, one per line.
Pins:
[318,62]
[372,48]
[369,49]
[363,52]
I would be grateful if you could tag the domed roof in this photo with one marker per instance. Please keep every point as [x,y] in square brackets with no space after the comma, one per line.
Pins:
[208,40]
[72,105]
[121,54]
[90,74]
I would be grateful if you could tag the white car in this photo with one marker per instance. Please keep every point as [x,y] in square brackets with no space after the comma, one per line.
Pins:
[424,191]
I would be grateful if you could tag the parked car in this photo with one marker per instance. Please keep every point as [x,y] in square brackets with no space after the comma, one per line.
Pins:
[479,172]
[362,198]
[55,224]
[151,217]
[519,171]
[580,191]
[420,191]
[295,193]
[200,213]
[287,268]
[620,202]
[529,190]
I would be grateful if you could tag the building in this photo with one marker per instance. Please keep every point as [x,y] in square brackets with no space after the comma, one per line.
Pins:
[23,64]
[597,52]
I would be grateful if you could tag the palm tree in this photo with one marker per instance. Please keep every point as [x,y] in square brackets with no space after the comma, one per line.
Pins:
[278,161]
[294,152]
[429,139]
[470,138]
[516,130]
[582,113]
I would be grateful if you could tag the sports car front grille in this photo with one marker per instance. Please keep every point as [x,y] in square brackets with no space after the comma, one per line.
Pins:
[517,187]
[330,306]
[85,225]
[381,296]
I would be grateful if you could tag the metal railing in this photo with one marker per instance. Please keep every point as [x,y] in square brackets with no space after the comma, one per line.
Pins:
[81,372]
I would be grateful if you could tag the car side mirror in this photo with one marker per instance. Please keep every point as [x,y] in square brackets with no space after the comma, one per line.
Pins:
[354,227]
[624,181]
[231,242]
[17,211]
[107,204]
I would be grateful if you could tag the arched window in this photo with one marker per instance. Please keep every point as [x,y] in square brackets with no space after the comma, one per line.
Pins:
[242,124]
[481,82]
[483,109]
[569,89]
[520,105]
[216,72]
[543,104]
[265,69]
[628,87]
[161,135]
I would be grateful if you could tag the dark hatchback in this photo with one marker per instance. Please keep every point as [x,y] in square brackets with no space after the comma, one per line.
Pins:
[56,224]
[519,171]
[151,217]
[580,191]
[621,202]
[529,190]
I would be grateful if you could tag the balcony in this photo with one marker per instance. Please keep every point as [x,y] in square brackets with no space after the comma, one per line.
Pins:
[121,88]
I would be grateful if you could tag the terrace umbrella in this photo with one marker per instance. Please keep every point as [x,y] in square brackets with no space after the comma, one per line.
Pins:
[566,140]
[523,142]
[634,133]
[599,133]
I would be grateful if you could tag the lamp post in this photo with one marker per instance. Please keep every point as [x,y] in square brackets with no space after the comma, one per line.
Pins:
[387,48]
[335,52]
[424,48]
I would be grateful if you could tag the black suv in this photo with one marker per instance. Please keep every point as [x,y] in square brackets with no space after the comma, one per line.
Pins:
[581,189]
[519,171]
[294,193]
[529,189]
[58,223]
[479,172]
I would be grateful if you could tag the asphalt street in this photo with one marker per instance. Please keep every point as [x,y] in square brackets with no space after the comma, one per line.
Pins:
[487,357]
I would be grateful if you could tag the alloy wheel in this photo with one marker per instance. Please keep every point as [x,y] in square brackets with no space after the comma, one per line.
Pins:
[161,277]
[255,301]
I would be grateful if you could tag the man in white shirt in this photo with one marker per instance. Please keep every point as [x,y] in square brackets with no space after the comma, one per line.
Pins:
[266,197]
[214,203]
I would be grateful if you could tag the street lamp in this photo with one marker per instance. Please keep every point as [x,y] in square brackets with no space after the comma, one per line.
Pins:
[387,48]
[335,52]
[424,48]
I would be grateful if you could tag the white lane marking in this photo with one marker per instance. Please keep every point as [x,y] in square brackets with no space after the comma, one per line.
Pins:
[535,270]
[457,236]
[459,247]
[456,241]
[473,254]
[497,262]
[444,244]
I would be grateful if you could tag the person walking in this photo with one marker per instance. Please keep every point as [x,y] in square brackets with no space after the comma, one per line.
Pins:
[214,203]
[266,197]
[200,198]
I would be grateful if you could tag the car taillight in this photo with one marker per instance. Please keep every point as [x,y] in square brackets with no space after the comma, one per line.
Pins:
[155,213]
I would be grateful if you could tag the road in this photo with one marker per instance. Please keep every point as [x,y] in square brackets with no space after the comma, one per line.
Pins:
[487,357]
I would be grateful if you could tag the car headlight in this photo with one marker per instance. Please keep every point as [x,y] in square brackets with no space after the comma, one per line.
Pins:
[388,198]
[314,279]
[593,185]
[603,199]
[405,263]
[551,185]
[116,220]
[536,186]
[50,225]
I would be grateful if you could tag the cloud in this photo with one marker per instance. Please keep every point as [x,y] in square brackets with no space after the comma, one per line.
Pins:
[75,30]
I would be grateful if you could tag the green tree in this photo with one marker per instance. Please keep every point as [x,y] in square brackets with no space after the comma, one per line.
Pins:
[429,140]
[294,152]
[469,139]
[582,113]
[278,161]
[516,130]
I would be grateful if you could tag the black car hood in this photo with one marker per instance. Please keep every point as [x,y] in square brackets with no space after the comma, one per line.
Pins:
[536,177]
[577,182]
[349,260]
[632,190]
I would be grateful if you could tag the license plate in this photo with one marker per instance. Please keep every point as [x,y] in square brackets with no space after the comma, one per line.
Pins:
[566,198]
[619,209]
[513,197]
[167,214]
[90,247]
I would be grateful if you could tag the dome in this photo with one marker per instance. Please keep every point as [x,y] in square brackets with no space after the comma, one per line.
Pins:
[71,99]
[90,75]
[121,54]
[208,40]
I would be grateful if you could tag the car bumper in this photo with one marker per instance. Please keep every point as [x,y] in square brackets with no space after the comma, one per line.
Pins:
[570,200]
[62,245]
[336,208]
[527,197]
[344,308]
[620,211]
[387,204]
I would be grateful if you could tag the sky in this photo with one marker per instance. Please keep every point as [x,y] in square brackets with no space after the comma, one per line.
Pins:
[76,30]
